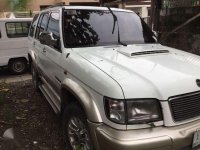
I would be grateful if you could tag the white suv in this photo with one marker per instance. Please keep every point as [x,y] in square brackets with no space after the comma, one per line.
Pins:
[115,87]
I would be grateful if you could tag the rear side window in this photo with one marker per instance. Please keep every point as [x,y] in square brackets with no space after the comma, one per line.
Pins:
[17,29]
[38,26]
[32,27]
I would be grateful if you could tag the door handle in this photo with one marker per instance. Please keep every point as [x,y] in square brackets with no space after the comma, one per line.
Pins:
[44,50]
[34,43]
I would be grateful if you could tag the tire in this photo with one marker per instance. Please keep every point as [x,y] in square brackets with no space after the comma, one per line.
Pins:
[75,119]
[18,66]
[35,78]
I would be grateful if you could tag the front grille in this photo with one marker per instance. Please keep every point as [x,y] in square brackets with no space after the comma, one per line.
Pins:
[185,107]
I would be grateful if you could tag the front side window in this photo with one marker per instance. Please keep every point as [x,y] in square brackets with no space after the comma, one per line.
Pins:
[94,28]
[17,29]
[53,28]
[42,24]
[53,25]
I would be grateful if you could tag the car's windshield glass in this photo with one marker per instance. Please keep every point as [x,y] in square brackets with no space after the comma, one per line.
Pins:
[94,28]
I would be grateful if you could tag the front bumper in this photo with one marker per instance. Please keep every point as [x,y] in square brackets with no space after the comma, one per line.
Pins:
[157,138]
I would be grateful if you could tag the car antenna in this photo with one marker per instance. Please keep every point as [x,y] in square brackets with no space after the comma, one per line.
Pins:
[116,20]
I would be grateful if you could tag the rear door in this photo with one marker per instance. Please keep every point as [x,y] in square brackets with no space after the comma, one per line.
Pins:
[38,47]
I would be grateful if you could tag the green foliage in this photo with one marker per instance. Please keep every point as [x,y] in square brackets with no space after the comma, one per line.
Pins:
[17,5]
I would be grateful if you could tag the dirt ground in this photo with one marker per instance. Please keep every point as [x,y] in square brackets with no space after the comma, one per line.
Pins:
[35,125]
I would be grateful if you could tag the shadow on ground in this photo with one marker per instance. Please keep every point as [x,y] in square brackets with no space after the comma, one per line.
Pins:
[31,117]
[4,72]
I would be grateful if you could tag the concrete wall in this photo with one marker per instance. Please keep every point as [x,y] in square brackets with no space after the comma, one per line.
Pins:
[3,5]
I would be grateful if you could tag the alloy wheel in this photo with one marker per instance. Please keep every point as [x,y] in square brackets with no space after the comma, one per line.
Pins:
[78,134]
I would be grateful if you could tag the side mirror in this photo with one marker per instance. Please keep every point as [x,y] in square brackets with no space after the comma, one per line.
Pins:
[54,42]
[155,33]
[48,39]
[42,38]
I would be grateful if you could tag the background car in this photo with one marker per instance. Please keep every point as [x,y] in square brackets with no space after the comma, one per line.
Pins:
[14,44]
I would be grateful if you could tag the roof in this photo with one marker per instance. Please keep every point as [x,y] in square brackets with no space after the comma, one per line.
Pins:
[86,8]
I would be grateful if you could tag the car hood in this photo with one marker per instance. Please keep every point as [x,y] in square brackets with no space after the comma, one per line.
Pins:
[148,70]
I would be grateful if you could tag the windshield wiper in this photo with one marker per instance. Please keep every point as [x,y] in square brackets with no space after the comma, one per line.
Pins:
[116,20]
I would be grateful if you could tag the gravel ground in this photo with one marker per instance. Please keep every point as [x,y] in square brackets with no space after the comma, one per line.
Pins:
[35,125]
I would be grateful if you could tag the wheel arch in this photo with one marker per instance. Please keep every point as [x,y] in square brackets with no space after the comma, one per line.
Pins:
[73,92]
[17,58]
[29,59]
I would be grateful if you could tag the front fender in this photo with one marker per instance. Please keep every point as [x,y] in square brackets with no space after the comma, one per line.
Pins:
[84,98]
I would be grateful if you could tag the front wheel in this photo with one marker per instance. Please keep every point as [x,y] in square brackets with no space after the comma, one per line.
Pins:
[75,129]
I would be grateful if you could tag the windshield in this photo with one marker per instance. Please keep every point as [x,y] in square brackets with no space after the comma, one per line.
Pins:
[94,28]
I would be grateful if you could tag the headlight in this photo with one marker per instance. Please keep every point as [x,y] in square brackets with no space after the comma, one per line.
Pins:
[143,111]
[133,111]
[115,110]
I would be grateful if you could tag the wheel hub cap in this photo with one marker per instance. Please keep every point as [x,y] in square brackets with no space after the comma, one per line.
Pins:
[18,67]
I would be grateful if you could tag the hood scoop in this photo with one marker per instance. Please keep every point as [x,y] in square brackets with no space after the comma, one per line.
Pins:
[132,51]
[149,52]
